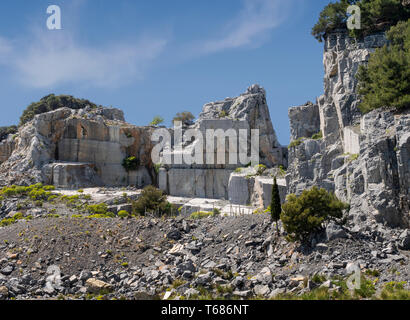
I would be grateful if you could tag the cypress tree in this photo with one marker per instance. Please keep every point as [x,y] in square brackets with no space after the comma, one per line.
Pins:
[275,205]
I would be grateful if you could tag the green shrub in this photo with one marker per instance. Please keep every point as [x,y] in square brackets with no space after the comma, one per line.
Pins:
[52,198]
[101,215]
[130,163]
[38,203]
[157,166]
[5,131]
[157,121]
[152,200]
[296,142]
[35,192]
[86,197]
[306,214]
[184,117]
[260,169]
[353,157]
[376,15]
[216,212]
[123,214]
[16,217]
[385,81]
[395,291]
[201,215]
[53,216]
[223,114]
[317,136]
[367,288]
[282,170]
[100,208]
[52,102]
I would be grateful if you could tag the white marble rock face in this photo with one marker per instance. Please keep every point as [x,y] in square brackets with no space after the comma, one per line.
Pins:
[364,159]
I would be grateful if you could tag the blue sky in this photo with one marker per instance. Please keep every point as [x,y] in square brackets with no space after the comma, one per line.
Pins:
[160,57]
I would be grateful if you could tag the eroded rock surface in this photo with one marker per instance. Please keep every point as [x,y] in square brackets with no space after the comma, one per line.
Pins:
[364,159]
[78,148]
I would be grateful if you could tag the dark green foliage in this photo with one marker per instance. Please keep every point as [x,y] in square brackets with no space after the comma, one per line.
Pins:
[52,102]
[385,81]
[376,15]
[306,214]
[332,17]
[152,200]
[5,131]
[275,205]
[130,163]
[184,117]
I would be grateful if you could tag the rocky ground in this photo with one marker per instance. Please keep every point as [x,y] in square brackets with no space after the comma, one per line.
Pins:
[61,255]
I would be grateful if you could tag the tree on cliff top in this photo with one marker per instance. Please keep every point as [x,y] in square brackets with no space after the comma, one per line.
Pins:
[376,15]
[184,117]
[52,102]
[385,81]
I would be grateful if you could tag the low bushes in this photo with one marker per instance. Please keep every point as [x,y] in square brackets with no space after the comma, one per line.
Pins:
[34,192]
[15,218]
[130,163]
[153,200]
[201,215]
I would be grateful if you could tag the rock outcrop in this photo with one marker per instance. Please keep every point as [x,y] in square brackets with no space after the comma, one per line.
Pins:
[364,159]
[78,148]
[247,186]
[6,148]
[249,111]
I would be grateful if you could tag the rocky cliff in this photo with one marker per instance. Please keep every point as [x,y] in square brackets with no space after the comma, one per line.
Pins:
[77,148]
[248,111]
[364,159]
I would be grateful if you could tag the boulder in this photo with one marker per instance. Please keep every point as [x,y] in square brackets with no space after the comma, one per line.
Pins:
[405,240]
[334,231]
[94,285]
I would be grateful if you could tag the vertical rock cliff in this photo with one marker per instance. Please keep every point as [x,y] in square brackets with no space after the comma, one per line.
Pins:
[364,159]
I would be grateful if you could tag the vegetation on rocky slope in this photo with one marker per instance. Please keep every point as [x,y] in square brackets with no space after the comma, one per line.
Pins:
[5,131]
[153,200]
[184,117]
[385,81]
[53,102]
[376,16]
[305,214]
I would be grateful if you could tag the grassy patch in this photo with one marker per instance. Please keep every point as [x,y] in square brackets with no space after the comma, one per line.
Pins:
[201,215]
[395,291]
[18,216]
[296,142]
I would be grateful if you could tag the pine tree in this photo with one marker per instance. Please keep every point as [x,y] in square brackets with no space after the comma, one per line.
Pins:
[384,82]
[275,205]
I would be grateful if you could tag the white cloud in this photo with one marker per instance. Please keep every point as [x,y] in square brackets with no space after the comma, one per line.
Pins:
[51,61]
[249,27]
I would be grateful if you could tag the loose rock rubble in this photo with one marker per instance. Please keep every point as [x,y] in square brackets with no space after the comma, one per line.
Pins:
[148,258]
